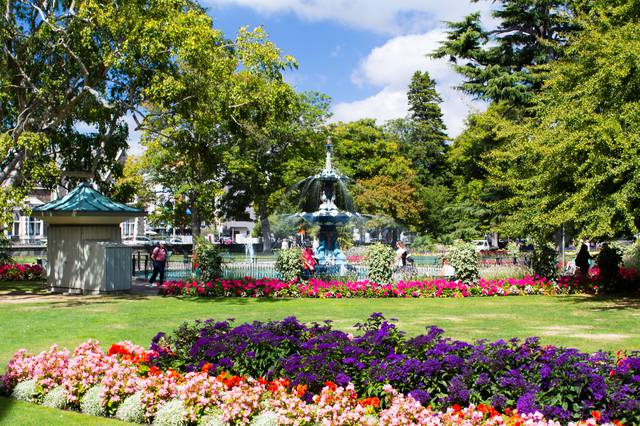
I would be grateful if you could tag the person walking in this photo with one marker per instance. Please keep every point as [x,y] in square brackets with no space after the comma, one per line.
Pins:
[582,261]
[159,258]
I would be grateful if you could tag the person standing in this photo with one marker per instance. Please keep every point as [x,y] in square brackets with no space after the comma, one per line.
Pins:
[159,258]
[582,260]
[308,261]
[401,255]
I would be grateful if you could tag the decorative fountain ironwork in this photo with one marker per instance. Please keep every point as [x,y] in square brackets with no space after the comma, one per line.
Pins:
[328,204]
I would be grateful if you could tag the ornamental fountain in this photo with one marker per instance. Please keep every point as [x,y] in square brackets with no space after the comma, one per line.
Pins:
[327,202]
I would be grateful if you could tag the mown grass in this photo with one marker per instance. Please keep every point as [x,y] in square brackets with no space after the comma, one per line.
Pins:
[17,413]
[32,319]
[585,322]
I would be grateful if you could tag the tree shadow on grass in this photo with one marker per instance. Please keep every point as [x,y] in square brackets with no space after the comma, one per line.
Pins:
[605,303]
[6,405]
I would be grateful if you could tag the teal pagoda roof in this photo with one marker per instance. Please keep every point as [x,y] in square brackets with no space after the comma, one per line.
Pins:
[86,201]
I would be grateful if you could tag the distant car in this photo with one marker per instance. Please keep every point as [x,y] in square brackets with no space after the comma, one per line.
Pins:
[481,245]
[176,240]
[137,240]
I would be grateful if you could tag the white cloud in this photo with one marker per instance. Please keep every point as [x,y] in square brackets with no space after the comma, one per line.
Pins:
[381,16]
[391,66]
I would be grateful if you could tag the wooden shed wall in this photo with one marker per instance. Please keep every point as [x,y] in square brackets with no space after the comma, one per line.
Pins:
[76,263]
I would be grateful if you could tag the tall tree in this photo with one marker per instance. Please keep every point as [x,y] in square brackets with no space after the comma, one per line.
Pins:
[575,160]
[386,184]
[504,63]
[422,138]
[65,63]
[276,142]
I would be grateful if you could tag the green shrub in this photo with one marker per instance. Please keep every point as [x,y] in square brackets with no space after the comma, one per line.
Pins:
[608,261]
[464,258]
[544,260]
[513,249]
[209,260]
[289,264]
[631,257]
[380,259]
[423,243]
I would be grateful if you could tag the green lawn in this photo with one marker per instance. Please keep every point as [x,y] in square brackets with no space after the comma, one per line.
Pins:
[17,413]
[588,323]
[34,320]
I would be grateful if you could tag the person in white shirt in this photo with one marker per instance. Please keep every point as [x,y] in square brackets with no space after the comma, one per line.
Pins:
[401,255]
[448,271]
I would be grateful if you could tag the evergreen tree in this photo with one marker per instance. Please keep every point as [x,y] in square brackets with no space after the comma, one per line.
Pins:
[504,64]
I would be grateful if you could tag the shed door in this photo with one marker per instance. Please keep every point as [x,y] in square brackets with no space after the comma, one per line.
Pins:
[73,254]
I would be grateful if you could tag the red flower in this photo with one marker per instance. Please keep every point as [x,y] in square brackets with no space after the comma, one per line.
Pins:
[596,415]
[372,401]
[456,407]
[331,385]
[116,349]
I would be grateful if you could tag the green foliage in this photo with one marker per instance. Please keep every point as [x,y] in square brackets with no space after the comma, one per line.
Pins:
[544,260]
[513,248]
[631,256]
[423,243]
[574,159]
[422,136]
[505,63]
[385,181]
[289,264]
[91,64]
[464,259]
[209,260]
[380,259]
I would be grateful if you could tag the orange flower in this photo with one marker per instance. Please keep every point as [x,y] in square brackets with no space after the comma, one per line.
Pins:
[206,367]
[173,373]
[372,401]
[300,390]
[596,415]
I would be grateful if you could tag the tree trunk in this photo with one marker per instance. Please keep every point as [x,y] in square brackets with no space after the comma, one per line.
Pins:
[196,222]
[265,227]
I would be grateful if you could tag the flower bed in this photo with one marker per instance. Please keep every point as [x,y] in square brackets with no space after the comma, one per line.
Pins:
[21,272]
[317,288]
[563,384]
[125,384]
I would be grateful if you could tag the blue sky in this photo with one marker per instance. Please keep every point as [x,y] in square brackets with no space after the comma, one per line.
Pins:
[361,53]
